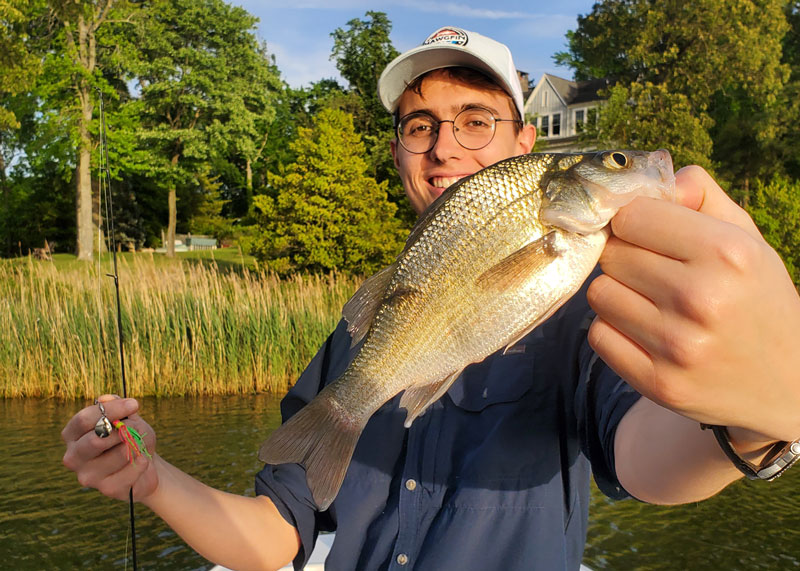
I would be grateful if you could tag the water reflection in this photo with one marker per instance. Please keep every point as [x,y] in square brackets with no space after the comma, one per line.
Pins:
[48,522]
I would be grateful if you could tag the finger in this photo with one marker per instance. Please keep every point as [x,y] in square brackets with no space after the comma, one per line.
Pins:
[89,447]
[696,189]
[119,484]
[678,232]
[649,273]
[94,470]
[663,227]
[625,357]
[627,311]
[85,420]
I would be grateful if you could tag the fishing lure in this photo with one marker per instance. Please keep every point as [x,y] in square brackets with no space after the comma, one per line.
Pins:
[133,441]
[134,445]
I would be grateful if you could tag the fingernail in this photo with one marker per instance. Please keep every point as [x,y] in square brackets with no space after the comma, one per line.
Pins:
[130,405]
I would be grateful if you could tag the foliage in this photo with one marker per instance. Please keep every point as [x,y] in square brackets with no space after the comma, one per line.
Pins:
[723,57]
[362,52]
[208,217]
[326,213]
[207,86]
[788,139]
[647,116]
[775,208]
[690,47]
[19,65]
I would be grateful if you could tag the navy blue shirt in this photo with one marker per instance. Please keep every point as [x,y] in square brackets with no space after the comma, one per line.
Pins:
[494,475]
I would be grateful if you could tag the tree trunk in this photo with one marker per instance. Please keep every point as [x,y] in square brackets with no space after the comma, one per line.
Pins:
[6,202]
[84,180]
[248,169]
[83,52]
[173,216]
[172,201]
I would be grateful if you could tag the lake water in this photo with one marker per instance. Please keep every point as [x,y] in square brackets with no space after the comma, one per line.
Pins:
[48,522]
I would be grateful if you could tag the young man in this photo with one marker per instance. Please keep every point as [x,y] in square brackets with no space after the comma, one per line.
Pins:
[694,311]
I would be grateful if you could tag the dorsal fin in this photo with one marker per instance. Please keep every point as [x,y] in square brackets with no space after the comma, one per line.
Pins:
[360,310]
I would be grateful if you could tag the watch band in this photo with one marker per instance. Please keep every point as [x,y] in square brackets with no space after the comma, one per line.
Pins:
[779,459]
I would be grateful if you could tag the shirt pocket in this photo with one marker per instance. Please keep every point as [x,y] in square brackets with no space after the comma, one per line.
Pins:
[500,378]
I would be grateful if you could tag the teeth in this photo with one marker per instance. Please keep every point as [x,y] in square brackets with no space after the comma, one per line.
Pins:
[445,182]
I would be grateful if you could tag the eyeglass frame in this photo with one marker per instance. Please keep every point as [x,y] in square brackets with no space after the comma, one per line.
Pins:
[439,122]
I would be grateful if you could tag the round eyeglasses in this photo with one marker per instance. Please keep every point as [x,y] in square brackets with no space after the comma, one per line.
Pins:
[473,129]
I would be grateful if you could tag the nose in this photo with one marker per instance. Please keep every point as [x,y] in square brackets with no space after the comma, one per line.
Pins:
[446,146]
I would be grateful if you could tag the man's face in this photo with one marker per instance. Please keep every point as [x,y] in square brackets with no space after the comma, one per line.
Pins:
[426,175]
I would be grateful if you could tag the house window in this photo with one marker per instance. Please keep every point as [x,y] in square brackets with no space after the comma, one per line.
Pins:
[544,125]
[544,99]
[579,120]
[556,124]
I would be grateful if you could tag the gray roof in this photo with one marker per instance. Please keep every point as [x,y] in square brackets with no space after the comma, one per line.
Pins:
[573,92]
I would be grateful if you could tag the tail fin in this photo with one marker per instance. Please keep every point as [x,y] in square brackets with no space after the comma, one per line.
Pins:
[321,437]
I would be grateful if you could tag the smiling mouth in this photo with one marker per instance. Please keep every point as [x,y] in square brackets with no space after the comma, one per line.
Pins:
[444,182]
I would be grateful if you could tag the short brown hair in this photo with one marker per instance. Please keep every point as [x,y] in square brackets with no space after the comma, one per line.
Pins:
[468,76]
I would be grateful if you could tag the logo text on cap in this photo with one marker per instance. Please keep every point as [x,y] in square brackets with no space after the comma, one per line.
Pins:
[454,36]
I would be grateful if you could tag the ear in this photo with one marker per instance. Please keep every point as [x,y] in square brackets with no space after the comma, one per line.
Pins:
[393,147]
[526,138]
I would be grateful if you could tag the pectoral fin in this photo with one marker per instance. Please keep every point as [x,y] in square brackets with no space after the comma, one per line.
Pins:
[360,310]
[512,271]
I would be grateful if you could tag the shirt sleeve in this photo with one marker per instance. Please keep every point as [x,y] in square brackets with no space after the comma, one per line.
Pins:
[285,484]
[602,399]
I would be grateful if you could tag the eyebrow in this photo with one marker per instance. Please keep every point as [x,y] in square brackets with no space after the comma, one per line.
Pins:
[456,110]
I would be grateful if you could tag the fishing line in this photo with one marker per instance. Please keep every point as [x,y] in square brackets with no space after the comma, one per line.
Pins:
[105,191]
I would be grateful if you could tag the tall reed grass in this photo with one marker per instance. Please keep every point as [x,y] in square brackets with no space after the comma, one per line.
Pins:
[188,328]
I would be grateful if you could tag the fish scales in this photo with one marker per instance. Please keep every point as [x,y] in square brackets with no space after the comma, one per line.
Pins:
[491,259]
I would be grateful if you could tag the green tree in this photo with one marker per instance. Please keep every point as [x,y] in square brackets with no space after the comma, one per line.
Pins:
[326,213]
[243,124]
[362,51]
[789,136]
[19,64]
[86,46]
[775,208]
[200,65]
[722,56]
[647,116]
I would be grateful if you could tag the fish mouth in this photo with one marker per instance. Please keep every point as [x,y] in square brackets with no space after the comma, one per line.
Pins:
[661,160]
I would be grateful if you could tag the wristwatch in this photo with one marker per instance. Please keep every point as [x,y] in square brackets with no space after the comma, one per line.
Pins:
[779,459]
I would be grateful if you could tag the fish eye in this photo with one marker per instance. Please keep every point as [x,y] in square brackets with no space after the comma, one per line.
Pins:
[616,160]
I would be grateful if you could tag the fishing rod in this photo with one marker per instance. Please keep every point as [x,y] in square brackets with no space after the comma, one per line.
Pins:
[131,439]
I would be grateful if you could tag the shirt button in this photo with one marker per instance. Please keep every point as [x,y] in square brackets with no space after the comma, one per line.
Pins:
[411,484]
[402,559]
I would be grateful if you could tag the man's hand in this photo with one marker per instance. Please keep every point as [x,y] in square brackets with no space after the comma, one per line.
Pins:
[698,313]
[102,462]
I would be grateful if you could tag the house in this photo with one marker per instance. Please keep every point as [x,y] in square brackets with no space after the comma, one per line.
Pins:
[559,107]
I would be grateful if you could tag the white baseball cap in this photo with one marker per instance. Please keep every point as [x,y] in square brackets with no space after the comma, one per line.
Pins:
[451,47]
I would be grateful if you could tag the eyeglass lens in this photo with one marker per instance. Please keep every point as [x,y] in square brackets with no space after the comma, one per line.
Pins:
[473,128]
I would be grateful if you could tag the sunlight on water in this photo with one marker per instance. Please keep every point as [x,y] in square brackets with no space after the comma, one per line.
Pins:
[48,522]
